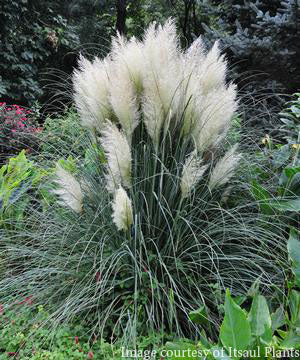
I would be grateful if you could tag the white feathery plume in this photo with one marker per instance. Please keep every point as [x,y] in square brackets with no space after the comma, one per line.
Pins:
[117,151]
[213,69]
[69,190]
[224,168]
[123,101]
[214,111]
[191,173]
[205,82]
[161,77]
[125,78]
[122,210]
[90,83]
[167,81]
[129,55]
[191,62]
[195,55]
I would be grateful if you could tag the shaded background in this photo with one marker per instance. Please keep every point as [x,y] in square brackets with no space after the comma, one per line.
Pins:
[40,42]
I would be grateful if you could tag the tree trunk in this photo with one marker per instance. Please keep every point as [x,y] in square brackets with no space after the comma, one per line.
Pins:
[121,16]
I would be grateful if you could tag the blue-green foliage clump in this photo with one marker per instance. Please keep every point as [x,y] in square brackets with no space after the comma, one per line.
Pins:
[261,41]
[261,36]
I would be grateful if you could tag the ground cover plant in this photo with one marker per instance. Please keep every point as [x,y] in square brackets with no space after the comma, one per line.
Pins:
[23,319]
[142,237]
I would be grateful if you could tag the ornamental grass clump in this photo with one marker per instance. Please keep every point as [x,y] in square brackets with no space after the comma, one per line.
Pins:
[143,236]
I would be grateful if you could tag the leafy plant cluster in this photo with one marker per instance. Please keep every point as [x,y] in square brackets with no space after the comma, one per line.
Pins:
[25,177]
[277,185]
[62,136]
[252,331]
[25,335]
[33,36]
[17,176]
[25,182]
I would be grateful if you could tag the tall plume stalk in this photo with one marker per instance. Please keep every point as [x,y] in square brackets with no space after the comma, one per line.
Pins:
[161,116]
[150,88]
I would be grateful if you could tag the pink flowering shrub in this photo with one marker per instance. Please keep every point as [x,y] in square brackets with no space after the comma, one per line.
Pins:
[17,131]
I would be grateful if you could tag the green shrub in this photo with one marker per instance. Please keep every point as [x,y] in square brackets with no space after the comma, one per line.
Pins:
[247,334]
[21,194]
[62,136]
[21,59]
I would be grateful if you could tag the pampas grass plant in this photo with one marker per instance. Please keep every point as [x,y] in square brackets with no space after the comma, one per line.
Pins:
[144,238]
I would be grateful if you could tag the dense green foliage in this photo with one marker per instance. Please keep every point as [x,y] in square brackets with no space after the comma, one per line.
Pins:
[18,178]
[63,129]
[24,335]
[33,37]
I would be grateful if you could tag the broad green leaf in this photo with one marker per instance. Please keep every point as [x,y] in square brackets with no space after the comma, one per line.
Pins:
[282,333]
[254,289]
[70,164]
[199,316]
[278,318]
[260,319]
[203,339]
[204,352]
[3,170]
[262,196]
[291,171]
[294,305]
[235,330]
[294,253]
[240,299]
[291,341]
